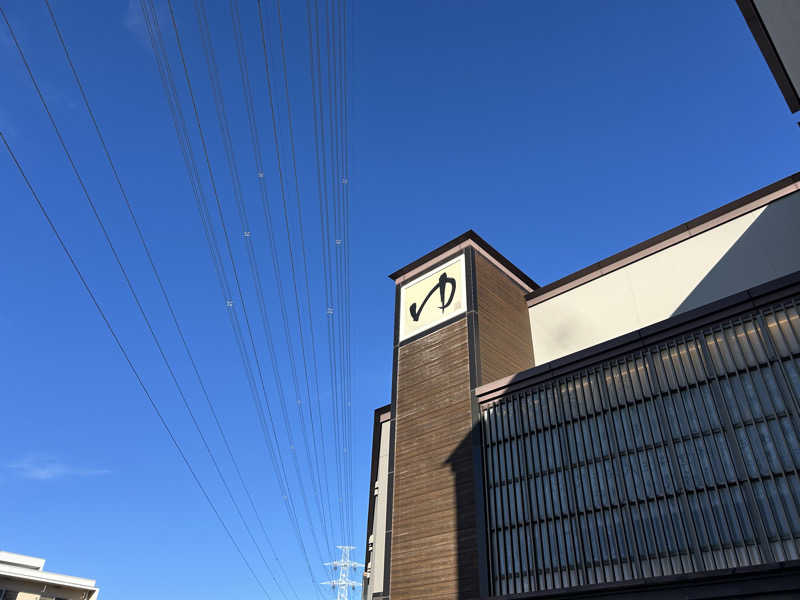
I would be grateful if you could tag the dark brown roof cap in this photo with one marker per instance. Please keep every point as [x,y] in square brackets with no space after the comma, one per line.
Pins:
[477,240]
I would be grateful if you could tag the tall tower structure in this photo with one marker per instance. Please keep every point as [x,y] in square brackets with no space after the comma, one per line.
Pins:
[460,320]
[343,584]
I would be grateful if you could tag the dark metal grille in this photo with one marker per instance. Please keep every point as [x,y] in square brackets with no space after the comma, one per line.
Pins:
[680,457]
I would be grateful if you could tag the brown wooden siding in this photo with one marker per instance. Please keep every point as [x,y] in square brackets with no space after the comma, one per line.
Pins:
[433,519]
[504,331]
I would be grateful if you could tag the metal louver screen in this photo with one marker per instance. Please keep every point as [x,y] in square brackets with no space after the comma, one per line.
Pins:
[680,457]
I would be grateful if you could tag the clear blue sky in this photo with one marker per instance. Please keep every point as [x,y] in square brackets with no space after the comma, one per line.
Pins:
[560,132]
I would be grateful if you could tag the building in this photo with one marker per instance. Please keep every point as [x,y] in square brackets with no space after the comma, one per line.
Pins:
[23,578]
[774,24]
[376,545]
[631,430]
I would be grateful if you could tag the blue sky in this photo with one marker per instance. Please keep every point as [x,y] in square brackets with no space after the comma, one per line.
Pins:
[560,132]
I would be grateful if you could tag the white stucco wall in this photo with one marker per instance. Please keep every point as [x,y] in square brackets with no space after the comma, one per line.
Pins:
[749,250]
[381,490]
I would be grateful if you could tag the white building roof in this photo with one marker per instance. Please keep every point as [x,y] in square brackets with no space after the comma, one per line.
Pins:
[29,569]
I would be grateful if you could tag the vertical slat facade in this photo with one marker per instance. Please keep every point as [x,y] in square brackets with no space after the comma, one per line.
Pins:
[677,457]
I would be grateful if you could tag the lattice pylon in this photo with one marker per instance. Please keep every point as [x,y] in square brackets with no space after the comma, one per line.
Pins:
[343,584]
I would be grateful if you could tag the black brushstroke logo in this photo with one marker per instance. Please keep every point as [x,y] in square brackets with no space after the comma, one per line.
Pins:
[444,280]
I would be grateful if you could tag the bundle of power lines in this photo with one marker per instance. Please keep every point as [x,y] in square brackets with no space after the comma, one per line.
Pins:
[323,450]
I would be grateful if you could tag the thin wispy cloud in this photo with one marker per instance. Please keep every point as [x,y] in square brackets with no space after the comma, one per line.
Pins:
[41,468]
[134,22]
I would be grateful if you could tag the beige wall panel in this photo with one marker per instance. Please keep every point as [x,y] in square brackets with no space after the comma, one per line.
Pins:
[662,281]
[586,315]
[749,250]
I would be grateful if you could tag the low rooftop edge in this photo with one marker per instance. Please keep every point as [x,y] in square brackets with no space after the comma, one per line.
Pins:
[28,574]
[21,560]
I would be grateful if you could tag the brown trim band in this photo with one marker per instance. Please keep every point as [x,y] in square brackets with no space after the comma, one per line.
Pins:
[670,237]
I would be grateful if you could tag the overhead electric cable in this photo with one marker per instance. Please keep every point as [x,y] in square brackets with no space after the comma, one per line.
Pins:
[178,327]
[344,185]
[347,251]
[281,179]
[331,221]
[257,155]
[293,152]
[278,462]
[322,193]
[186,150]
[289,120]
[338,40]
[232,166]
[273,451]
[127,358]
[226,237]
[134,295]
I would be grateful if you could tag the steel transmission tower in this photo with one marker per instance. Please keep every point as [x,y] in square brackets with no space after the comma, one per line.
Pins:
[342,583]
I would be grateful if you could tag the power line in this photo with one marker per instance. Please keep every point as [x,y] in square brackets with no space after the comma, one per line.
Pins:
[289,120]
[176,322]
[341,242]
[334,322]
[232,166]
[324,182]
[125,355]
[222,221]
[238,283]
[347,242]
[345,283]
[322,193]
[128,282]
[334,215]
[281,180]
[186,150]
[274,451]
[256,146]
